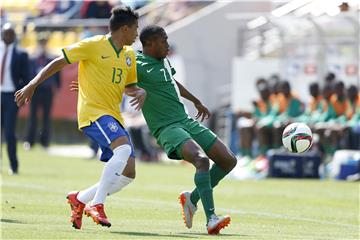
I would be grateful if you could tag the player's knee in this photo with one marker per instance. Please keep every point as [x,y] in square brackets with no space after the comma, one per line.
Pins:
[232,162]
[129,170]
[229,163]
[201,163]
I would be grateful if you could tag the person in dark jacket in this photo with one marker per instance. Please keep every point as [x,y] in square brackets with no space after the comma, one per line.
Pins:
[14,76]
[42,98]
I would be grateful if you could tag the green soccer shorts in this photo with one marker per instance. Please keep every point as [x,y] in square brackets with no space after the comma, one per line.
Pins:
[173,137]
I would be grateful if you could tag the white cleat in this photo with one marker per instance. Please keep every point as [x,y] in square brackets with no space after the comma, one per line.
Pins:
[188,208]
[216,223]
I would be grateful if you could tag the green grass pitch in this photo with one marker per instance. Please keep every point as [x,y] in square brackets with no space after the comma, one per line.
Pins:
[33,204]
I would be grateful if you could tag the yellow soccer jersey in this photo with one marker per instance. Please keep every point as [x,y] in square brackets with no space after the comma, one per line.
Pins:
[103,72]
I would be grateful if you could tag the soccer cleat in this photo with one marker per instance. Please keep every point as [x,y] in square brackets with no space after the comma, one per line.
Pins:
[216,223]
[188,208]
[96,212]
[77,209]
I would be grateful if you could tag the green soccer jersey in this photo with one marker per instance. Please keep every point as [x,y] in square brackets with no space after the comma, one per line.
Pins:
[163,104]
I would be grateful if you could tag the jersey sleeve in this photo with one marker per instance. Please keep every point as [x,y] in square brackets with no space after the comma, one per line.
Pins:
[132,76]
[77,51]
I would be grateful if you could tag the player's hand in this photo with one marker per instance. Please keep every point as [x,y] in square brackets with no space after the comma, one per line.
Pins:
[139,96]
[24,95]
[74,86]
[203,112]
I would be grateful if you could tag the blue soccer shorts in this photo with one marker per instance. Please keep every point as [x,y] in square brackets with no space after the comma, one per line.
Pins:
[104,131]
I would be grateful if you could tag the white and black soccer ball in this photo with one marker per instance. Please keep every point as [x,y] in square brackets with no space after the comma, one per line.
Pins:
[297,137]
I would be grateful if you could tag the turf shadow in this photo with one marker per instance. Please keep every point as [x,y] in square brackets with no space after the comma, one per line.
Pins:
[10,221]
[221,234]
[145,234]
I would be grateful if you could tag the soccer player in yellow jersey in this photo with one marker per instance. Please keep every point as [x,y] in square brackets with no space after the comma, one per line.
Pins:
[107,69]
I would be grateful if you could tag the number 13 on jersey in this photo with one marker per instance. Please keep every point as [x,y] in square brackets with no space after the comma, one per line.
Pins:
[116,76]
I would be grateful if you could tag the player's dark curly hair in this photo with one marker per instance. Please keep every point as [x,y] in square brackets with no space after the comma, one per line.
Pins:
[121,16]
[150,32]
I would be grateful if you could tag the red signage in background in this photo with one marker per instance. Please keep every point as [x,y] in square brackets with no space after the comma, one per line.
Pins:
[64,102]
[351,69]
[310,69]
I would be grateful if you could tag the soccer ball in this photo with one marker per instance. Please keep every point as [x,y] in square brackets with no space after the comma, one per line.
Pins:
[297,137]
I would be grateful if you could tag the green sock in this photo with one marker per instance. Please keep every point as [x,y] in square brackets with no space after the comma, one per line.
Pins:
[202,183]
[216,174]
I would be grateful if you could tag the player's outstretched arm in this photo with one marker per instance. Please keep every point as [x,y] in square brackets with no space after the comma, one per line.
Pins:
[138,95]
[24,95]
[203,112]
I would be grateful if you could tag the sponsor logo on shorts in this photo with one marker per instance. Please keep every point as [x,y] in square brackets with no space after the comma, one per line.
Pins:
[113,126]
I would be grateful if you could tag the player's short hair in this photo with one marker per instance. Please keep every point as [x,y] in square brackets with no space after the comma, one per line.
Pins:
[121,16]
[150,32]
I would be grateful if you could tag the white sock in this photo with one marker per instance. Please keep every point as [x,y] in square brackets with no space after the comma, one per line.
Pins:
[112,170]
[88,194]
[120,184]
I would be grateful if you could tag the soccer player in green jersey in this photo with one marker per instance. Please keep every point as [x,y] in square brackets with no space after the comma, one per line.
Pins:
[107,70]
[181,136]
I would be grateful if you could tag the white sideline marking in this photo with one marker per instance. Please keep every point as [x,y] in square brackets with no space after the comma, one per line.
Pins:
[175,205]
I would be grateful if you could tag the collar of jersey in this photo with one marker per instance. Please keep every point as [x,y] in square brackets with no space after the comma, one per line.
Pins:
[113,45]
[150,58]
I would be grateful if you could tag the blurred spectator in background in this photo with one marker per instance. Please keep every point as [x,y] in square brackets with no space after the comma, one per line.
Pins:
[42,98]
[339,101]
[331,125]
[330,78]
[338,129]
[274,82]
[95,9]
[353,114]
[14,75]
[4,16]
[314,108]
[266,110]
[315,102]
[64,9]
[320,126]
[290,107]
[46,7]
